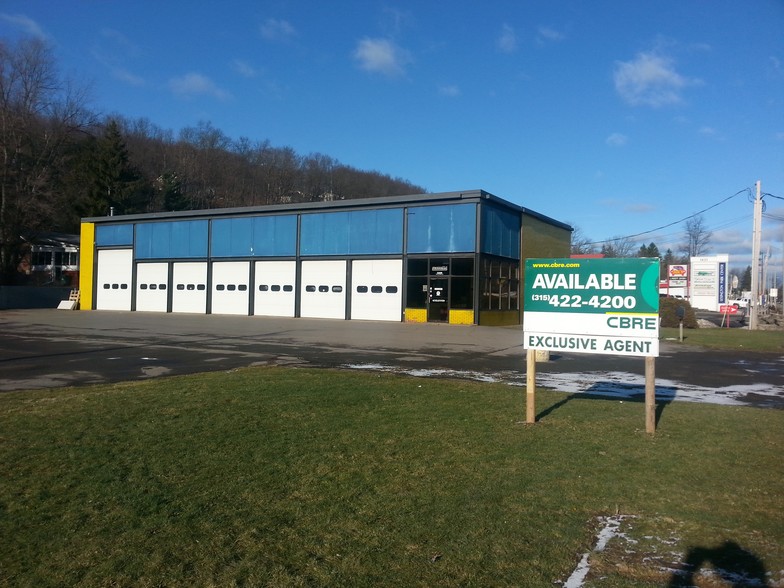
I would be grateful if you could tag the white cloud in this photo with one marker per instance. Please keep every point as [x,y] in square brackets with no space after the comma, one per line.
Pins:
[709,132]
[274,29]
[545,34]
[195,84]
[26,24]
[125,76]
[639,208]
[507,40]
[451,90]
[650,79]
[616,140]
[381,56]
[243,68]
[119,41]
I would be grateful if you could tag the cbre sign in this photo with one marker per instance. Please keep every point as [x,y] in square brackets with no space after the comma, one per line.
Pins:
[608,306]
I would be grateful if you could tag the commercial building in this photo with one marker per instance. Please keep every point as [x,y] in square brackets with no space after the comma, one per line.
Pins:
[451,257]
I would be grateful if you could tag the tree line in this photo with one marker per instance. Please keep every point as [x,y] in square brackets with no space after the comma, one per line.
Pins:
[60,161]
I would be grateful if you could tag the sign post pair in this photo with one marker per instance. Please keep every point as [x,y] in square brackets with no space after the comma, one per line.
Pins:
[605,306]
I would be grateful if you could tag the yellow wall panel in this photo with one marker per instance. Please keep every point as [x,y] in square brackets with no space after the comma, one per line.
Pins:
[416,315]
[86,256]
[461,317]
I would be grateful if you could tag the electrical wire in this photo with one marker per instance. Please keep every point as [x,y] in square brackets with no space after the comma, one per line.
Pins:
[747,190]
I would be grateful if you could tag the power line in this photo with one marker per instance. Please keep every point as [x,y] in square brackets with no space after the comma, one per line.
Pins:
[747,190]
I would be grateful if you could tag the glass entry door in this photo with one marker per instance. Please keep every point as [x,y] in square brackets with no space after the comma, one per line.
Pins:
[438,300]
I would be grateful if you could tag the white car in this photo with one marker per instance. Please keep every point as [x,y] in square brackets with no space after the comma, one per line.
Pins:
[740,302]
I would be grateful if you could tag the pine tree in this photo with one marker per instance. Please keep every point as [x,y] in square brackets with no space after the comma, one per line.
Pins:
[116,184]
[649,251]
[745,281]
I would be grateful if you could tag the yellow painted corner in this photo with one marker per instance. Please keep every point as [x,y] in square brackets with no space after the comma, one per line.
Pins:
[86,256]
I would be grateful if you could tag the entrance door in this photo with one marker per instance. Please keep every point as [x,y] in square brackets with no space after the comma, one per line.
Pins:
[438,300]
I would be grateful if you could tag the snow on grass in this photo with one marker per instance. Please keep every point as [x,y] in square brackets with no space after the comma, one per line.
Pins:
[611,384]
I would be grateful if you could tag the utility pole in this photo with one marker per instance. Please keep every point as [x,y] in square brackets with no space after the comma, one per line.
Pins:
[755,253]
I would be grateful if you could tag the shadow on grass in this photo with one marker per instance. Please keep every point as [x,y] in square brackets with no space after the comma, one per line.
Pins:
[618,391]
[729,561]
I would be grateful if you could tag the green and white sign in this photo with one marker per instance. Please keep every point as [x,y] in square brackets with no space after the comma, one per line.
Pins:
[606,306]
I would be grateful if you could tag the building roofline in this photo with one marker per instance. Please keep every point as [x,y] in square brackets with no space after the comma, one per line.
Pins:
[354,203]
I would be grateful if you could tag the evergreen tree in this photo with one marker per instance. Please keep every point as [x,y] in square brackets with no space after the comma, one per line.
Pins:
[649,251]
[666,261]
[115,184]
[170,186]
[745,281]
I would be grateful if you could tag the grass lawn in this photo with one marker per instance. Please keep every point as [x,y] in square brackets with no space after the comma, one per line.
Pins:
[298,477]
[739,339]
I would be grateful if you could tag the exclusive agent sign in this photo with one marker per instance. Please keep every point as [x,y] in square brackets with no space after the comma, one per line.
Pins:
[608,306]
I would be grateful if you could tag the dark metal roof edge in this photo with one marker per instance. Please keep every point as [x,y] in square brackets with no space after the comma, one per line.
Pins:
[434,198]
[547,219]
[296,207]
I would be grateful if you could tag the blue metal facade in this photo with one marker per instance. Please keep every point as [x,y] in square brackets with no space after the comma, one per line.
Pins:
[461,250]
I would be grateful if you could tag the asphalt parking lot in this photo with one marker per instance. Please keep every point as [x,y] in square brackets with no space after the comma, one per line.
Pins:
[50,348]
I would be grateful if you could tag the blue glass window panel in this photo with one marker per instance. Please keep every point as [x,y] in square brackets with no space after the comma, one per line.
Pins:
[274,236]
[324,234]
[376,232]
[500,232]
[447,228]
[189,238]
[360,232]
[231,237]
[179,239]
[265,236]
[109,235]
[144,240]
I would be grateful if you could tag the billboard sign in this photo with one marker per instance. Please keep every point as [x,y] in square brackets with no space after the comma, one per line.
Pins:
[606,306]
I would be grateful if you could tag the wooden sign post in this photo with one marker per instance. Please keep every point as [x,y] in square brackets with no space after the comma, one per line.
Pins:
[604,306]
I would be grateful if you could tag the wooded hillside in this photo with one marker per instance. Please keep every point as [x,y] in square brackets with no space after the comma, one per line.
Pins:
[59,161]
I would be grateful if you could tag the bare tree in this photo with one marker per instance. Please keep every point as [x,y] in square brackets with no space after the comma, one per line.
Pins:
[619,247]
[581,243]
[697,237]
[39,115]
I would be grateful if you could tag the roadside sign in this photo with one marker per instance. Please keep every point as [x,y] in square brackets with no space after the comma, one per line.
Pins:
[728,309]
[606,306]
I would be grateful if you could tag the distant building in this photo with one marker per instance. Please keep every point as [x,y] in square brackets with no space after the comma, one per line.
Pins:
[452,257]
[50,259]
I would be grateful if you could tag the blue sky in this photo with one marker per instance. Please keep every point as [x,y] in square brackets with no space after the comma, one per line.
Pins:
[618,117]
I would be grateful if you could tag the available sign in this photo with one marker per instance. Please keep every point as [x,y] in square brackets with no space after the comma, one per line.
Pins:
[608,306]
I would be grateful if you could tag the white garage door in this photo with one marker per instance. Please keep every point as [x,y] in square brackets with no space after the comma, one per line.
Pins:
[230,287]
[189,291]
[114,274]
[323,289]
[152,287]
[274,289]
[376,289]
